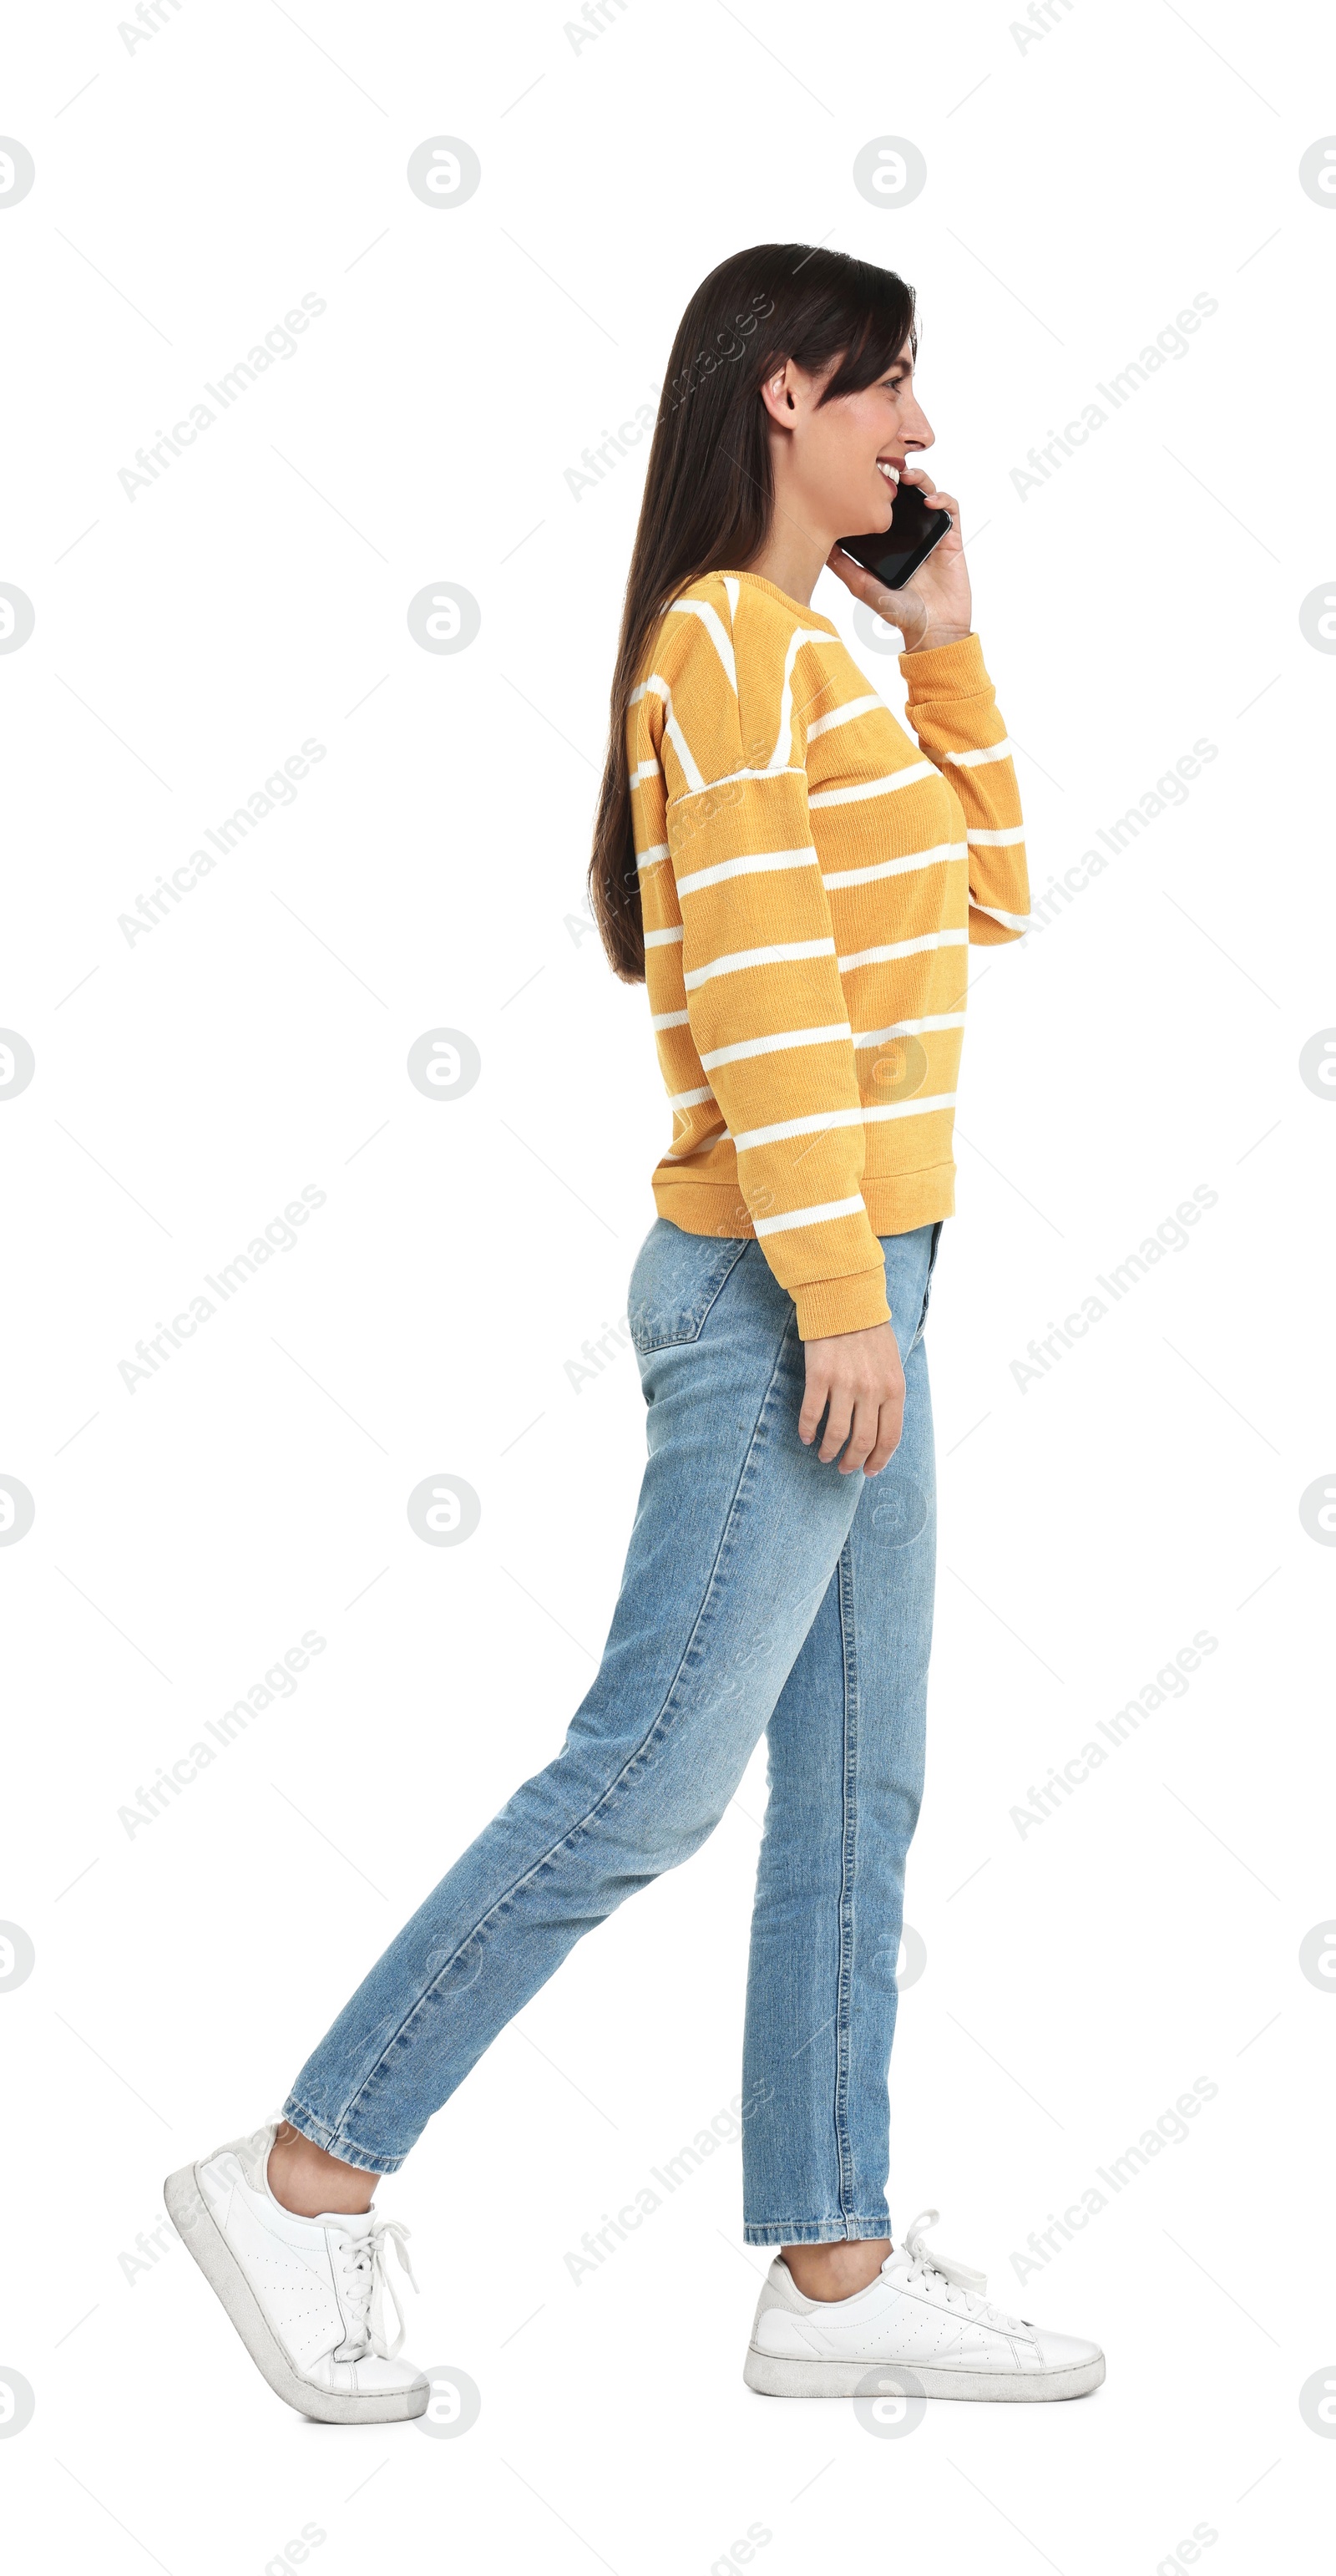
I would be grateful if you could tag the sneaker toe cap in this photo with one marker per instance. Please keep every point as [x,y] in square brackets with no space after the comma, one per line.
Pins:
[380,2376]
[1064,2352]
[372,2376]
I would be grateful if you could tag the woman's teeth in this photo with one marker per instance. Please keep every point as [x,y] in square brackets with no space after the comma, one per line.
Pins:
[891,472]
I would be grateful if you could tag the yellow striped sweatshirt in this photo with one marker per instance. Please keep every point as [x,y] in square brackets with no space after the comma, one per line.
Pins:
[810,879]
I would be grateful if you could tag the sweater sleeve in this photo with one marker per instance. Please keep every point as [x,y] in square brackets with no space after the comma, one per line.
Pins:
[953,711]
[763,996]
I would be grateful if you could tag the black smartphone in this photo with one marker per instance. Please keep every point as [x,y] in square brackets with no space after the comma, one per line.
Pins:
[894,556]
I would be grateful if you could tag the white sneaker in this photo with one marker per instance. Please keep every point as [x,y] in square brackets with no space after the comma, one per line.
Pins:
[923,2314]
[305,2294]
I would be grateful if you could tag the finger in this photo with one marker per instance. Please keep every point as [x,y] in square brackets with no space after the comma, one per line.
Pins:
[929,493]
[862,1436]
[904,609]
[923,484]
[855,577]
[837,1428]
[885,1445]
[865,585]
[901,608]
[813,1406]
[889,1427]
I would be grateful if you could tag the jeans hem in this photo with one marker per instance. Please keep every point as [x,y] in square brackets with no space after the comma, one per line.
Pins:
[321,2135]
[815,2231]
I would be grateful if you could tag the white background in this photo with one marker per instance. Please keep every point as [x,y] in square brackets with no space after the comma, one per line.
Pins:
[1081,190]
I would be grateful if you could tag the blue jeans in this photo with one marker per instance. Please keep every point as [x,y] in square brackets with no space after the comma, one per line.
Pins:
[762,1592]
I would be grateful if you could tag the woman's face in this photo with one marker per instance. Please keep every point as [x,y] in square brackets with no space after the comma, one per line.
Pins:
[843,458]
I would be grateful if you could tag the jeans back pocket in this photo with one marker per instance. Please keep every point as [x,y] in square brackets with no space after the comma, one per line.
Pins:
[676,1279]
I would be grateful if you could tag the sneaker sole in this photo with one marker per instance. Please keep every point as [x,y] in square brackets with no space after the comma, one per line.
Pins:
[774,2375]
[202,2236]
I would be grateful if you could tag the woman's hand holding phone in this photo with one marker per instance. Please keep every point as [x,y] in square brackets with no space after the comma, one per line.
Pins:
[934,607]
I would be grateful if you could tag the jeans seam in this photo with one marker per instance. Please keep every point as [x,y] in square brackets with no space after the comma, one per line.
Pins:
[319,2133]
[583,1823]
[786,2231]
[848,1858]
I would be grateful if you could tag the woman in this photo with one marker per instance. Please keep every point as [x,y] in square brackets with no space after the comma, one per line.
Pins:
[797,882]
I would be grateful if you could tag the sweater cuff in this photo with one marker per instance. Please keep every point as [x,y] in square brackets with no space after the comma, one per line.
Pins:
[846,1305]
[946,671]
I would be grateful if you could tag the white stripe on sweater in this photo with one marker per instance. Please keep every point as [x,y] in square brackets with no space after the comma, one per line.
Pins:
[790,953]
[815,1124]
[843,715]
[680,745]
[706,1146]
[658,687]
[909,776]
[904,948]
[997,840]
[757,863]
[823,1215]
[730,778]
[714,628]
[748,1047]
[911,1108]
[663,938]
[975,759]
[895,867]
[820,1120]
[903,1028]
[1009,920]
[784,738]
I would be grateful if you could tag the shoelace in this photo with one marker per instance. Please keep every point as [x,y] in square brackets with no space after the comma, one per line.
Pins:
[367,2278]
[961,2287]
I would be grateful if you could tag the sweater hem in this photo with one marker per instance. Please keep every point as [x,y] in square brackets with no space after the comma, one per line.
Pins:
[896,1202]
[851,1304]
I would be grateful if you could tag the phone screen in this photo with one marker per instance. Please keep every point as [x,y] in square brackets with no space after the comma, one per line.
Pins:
[895,556]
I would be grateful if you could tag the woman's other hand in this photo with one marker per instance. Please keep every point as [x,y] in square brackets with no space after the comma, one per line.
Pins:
[857,1381]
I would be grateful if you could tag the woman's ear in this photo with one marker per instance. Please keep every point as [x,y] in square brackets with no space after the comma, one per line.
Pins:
[777,395]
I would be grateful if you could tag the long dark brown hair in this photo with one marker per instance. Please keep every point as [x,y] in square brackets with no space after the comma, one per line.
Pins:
[709,491]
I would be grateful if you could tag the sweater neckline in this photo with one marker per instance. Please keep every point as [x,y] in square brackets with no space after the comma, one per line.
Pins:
[775,593]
